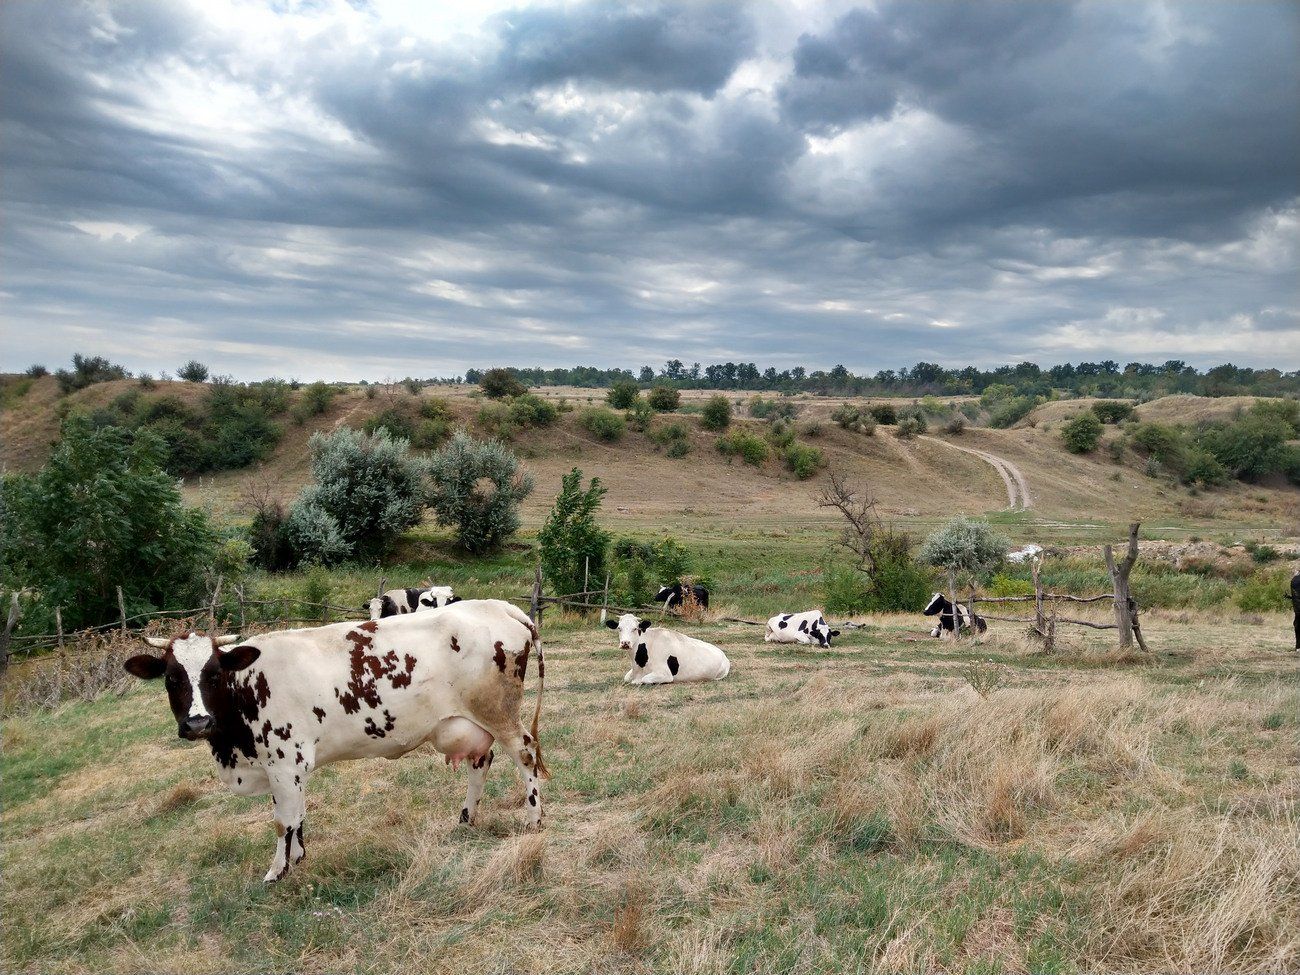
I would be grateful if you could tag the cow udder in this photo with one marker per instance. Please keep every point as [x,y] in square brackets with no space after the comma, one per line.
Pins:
[459,739]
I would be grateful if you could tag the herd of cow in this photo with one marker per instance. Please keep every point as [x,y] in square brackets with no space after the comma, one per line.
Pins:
[426,667]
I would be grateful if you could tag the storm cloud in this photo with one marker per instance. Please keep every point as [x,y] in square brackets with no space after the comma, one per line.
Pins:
[364,190]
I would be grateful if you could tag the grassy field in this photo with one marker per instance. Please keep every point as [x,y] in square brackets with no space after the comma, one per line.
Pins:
[862,809]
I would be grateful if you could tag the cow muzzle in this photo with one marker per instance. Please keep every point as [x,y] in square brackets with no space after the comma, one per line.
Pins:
[195,727]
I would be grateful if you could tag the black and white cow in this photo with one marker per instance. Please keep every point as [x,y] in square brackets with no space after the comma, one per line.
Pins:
[665,656]
[279,706]
[940,606]
[397,602]
[672,596]
[809,627]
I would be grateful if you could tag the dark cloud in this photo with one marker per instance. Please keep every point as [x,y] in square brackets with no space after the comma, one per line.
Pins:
[303,189]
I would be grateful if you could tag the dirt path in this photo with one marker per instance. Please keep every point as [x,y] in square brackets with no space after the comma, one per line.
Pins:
[1014,479]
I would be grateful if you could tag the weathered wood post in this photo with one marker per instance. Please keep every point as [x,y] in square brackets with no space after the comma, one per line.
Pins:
[1040,622]
[604,608]
[952,600]
[212,607]
[239,595]
[11,620]
[974,630]
[58,624]
[535,606]
[1119,575]
[383,581]
[586,576]
[121,608]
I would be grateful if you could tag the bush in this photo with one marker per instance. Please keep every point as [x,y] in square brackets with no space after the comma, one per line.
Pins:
[103,512]
[1286,410]
[970,410]
[750,449]
[570,542]
[664,399]
[780,435]
[529,410]
[268,534]
[771,409]
[1112,410]
[430,434]
[87,371]
[640,415]
[931,407]
[1265,591]
[193,372]
[368,490]
[956,425]
[494,420]
[849,417]
[1082,433]
[499,383]
[674,438]
[803,460]
[638,569]
[1010,411]
[884,414]
[909,427]
[397,423]
[313,401]
[896,584]
[603,424]
[716,414]
[623,394]
[477,488]
[1199,466]
[1164,443]
[964,545]
[36,371]
[1252,447]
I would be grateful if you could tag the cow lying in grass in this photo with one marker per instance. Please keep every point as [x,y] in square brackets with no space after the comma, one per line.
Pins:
[810,627]
[673,596]
[662,656]
[283,704]
[940,606]
[398,602]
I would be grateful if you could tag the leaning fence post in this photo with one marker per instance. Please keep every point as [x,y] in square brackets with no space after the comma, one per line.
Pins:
[1040,622]
[604,608]
[586,576]
[383,581]
[10,621]
[535,606]
[121,608]
[58,624]
[212,607]
[239,595]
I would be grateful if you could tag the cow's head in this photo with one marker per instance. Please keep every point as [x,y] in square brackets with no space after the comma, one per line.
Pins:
[193,667]
[667,591]
[380,607]
[629,629]
[438,596]
[936,605]
[821,632]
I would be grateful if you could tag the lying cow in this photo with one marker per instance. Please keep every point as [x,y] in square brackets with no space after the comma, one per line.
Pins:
[809,627]
[939,605]
[673,596]
[397,602]
[665,656]
[283,704]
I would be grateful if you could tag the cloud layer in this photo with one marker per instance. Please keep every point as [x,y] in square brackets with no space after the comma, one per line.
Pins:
[360,190]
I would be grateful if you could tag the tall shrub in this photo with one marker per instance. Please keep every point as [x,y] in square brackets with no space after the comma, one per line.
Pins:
[477,488]
[570,543]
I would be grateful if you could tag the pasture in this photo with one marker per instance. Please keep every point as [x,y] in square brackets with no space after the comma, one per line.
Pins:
[858,809]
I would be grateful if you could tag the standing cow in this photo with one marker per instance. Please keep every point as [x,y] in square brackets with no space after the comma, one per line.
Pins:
[939,605]
[281,705]
[665,656]
[398,602]
[673,596]
[810,627]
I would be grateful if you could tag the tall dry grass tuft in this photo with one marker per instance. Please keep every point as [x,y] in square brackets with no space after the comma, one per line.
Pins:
[628,932]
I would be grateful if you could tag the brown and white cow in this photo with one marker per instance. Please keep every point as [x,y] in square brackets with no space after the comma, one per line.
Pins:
[398,602]
[661,656]
[280,705]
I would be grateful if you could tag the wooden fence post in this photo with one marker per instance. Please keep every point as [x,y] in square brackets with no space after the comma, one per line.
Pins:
[383,581]
[58,624]
[952,599]
[212,607]
[121,608]
[586,576]
[1119,574]
[11,620]
[1040,621]
[535,607]
[239,595]
[604,608]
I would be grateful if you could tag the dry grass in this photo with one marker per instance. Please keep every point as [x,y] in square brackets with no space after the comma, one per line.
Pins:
[858,810]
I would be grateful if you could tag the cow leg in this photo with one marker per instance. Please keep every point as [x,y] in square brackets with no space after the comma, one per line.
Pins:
[478,770]
[523,751]
[290,800]
[655,678]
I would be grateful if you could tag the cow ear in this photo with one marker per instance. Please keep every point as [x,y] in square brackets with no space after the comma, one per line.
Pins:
[238,658]
[145,666]
[834,633]
[612,624]
[644,625]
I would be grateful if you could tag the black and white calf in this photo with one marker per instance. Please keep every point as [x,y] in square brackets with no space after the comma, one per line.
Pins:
[398,602]
[672,596]
[278,707]
[941,607]
[662,656]
[810,627]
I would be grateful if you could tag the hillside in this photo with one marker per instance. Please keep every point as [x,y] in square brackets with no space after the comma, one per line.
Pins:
[921,480]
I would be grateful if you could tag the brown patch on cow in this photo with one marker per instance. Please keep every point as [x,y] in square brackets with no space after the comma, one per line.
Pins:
[454,645]
[320,714]
[374,731]
[264,738]
[279,828]
[400,678]
[279,753]
[261,690]
[370,626]
[283,733]
[521,660]
[500,656]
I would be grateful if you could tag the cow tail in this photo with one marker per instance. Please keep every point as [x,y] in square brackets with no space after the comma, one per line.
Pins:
[541,768]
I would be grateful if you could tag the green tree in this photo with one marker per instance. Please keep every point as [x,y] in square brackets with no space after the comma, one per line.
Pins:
[368,490]
[664,398]
[193,371]
[102,513]
[499,383]
[477,488]
[964,546]
[716,414]
[1082,433]
[571,543]
[623,394]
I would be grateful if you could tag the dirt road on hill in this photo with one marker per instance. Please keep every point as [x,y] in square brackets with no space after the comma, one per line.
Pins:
[1018,496]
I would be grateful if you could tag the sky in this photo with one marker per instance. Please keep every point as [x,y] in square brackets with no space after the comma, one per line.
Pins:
[346,190]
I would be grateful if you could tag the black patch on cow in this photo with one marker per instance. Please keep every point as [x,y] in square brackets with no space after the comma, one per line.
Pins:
[374,731]
[672,666]
[387,607]
[413,598]
[320,714]
[464,815]
[279,753]
[642,655]
[803,626]
[235,703]
[454,645]
[283,733]
[784,623]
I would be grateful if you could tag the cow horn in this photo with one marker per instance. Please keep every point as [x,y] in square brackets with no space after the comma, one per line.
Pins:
[226,640]
[159,642]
